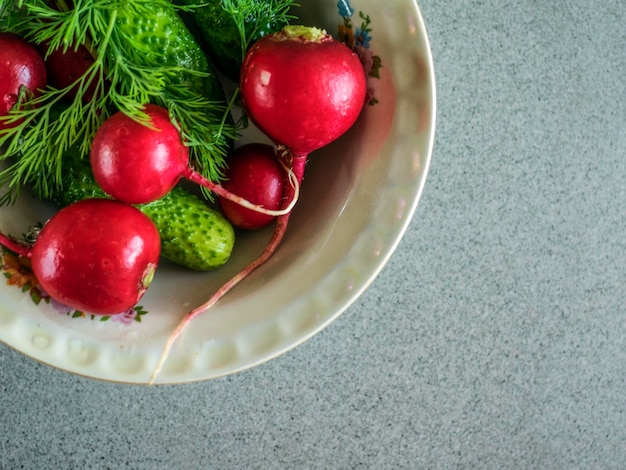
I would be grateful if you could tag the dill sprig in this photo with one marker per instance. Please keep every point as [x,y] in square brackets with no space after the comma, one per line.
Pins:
[50,124]
[253,16]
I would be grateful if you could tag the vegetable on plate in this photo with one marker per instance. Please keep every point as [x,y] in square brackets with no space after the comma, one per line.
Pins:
[255,173]
[83,261]
[22,76]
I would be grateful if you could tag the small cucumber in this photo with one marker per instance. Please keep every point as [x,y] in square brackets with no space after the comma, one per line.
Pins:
[192,234]
[165,32]
[217,32]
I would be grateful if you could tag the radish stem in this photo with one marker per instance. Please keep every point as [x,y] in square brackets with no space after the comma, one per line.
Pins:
[196,177]
[14,246]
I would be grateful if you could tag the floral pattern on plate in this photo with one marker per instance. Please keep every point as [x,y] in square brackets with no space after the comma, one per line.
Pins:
[358,39]
[18,272]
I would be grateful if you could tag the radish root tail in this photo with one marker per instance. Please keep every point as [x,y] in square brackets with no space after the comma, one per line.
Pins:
[295,167]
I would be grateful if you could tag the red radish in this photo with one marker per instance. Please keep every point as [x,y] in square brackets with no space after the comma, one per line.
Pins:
[66,67]
[21,65]
[255,174]
[304,89]
[96,255]
[137,163]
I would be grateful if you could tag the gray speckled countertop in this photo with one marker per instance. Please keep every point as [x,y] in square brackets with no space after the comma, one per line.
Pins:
[494,338]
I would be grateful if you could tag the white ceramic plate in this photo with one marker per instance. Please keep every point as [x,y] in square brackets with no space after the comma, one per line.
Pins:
[357,199]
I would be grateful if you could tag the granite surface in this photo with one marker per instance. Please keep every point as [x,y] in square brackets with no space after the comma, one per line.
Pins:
[494,338]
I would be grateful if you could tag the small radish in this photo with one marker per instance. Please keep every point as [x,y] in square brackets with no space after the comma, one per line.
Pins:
[21,65]
[303,89]
[254,173]
[96,255]
[139,163]
[65,68]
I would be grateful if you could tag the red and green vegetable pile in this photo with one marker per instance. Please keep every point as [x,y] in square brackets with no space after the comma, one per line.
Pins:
[107,105]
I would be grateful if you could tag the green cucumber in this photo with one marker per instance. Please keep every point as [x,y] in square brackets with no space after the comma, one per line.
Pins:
[217,32]
[192,234]
[162,38]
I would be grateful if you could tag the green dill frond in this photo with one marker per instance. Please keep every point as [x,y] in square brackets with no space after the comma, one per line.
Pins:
[210,119]
[253,16]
